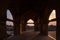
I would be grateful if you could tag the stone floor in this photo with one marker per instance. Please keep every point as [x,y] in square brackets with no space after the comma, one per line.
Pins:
[29,36]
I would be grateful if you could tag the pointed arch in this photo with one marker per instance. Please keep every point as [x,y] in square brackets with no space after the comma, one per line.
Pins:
[52,15]
[9,15]
[9,24]
[52,24]
[30,22]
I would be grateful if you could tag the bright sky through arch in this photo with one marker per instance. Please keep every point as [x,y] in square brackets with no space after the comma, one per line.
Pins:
[9,15]
[30,22]
[52,15]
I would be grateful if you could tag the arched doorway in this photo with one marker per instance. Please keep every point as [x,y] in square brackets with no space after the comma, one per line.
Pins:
[52,25]
[9,24]
[30,25]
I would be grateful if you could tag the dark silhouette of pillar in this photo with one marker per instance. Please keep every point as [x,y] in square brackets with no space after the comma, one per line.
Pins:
[24,26]
[44,27]
[16,19]
[35,28]
[3,34]
[16,28]
[41,27]
[3,8]
[36,25]
[58,24]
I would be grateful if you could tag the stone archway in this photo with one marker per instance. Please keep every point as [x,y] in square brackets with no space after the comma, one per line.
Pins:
[29,15]
[30,25]
[52,25]
[9,24]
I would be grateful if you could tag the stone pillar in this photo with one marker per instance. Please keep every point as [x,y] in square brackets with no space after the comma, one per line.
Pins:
[58,24]
[24,26]
[44,22]
[20,27]
[36,25]
[3,35]
[44,27]
[3,6]
[17,25]
[16,28]
[41,26]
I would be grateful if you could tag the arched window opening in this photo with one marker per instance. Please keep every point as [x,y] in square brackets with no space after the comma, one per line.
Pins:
[30,21]
[52,25]
[30,25]
[52,15]
[9,24]
[9,15]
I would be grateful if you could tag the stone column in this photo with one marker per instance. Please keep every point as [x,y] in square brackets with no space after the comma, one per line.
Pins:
[58,24]
[17,25]
[24,26]
[41,27]
[45,29]
[20,27]
[3,6]
[44,22]
[36,25]
[44,26]
[17,28]
[3,35]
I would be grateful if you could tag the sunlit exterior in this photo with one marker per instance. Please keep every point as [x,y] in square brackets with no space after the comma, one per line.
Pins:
[30,22]
[52,15]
